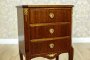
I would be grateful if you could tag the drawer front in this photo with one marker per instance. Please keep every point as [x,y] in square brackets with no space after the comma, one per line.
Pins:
[39,32]
[47,15]
[62,30]
[50,46]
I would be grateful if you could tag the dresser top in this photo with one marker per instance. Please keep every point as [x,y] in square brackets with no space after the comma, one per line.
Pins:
[41,6]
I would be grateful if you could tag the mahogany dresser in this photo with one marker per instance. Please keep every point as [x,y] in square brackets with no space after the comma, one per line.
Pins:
[45,31]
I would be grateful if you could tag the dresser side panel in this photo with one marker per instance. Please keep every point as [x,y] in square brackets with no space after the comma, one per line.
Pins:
[21,30]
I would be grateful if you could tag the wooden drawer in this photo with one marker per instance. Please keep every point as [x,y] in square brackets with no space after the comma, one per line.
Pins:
[38,32]
[62,30]
[47,15]
[50,46]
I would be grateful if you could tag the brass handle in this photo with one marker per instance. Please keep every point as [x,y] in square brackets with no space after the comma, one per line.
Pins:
[51,30]
[51,15]
[51,45]
[51,55]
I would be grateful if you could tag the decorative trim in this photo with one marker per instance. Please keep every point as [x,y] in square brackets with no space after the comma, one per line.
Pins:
[25,11]
[74,40]
[46,24]
[55,6]
[47,39]
[52,55]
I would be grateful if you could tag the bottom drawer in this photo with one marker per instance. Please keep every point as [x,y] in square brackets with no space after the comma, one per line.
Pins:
[50,46]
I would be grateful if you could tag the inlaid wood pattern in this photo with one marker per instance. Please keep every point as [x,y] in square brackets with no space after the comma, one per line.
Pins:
[47,39]
[46,24]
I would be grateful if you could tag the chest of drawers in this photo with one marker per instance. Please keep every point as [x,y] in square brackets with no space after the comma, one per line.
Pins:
[44,31]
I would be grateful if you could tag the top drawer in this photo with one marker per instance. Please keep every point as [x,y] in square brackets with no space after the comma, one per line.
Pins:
[48,15]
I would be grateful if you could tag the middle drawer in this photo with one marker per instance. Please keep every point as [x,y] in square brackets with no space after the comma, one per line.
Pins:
[49,31]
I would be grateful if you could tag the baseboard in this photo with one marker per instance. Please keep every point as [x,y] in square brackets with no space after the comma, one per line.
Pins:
[8,41]
[74,40]
[81,40]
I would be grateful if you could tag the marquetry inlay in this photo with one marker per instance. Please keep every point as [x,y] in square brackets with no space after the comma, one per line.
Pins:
[46,24]
[47,39]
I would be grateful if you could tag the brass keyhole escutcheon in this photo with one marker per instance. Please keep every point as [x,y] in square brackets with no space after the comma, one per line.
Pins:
[51,15]
[51,45]
[51,30]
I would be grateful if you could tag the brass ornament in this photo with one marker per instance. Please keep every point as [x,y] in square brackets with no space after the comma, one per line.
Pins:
[51,30]
[51,45]
[51,15]
[25,11]
[51,55]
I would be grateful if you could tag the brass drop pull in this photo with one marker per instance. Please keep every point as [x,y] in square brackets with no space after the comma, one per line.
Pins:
[51,45]
[51,30]
[51,15]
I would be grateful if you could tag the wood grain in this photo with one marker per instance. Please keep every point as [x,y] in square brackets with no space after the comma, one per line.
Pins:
[11,52]
[45,22]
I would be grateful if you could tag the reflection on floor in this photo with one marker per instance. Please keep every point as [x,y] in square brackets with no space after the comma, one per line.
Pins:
[81,52]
